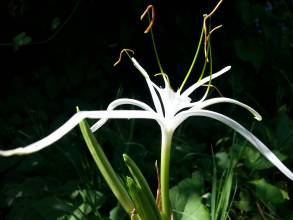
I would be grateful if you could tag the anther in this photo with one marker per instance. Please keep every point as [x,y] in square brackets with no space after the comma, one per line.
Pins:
[150,7]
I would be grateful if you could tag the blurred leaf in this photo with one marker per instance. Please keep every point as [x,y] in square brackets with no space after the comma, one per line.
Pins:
[268,192]
[67,188]
[223,160]
[250,50]
[8,162]
[55,23]
[22,209]
[21,40]
[244,9]
[52,207]
[256,161]
[31,187]
[80,212]
[284,130]
[30,163]
[244,202]
[117,213]
[93,197]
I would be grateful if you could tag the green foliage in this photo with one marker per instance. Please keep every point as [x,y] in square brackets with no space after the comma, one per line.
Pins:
[244,203]
[40,198]
[269,193]
[255,161]
[194,209]
[186,200]
[223,190]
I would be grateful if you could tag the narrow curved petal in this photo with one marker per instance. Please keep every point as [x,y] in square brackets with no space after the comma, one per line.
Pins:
[190,90]
[203,104]
[72,122]
[151,86]
[119,102]
[241,130]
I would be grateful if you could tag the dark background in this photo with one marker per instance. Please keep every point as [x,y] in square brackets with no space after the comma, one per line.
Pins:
[56,55]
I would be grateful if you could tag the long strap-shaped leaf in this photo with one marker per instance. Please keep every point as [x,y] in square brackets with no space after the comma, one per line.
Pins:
[113,181]
[140,185]
[142,206]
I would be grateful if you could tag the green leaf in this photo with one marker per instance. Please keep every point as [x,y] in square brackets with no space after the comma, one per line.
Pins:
[268,192]
[145,190]
[194,209]
[180,194]
[141,208]
[106,169]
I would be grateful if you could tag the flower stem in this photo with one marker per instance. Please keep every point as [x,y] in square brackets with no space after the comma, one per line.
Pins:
[165,167]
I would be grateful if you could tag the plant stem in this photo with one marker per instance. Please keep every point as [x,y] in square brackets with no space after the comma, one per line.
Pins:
[165,167]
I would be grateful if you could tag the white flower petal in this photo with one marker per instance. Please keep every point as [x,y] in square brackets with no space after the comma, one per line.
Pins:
[203,104]
[190,90]
[241,130]
[172,101]
[151,86]
[72,122]
[115,104]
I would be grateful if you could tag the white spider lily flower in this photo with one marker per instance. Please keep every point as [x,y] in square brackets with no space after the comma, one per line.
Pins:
[171,109]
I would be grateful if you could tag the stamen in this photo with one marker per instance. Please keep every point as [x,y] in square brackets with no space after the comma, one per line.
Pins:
[214,87]
[214,10]
[165,77]
[215,28]
[120,56]
[206,34]
[150,7]
[208,38]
